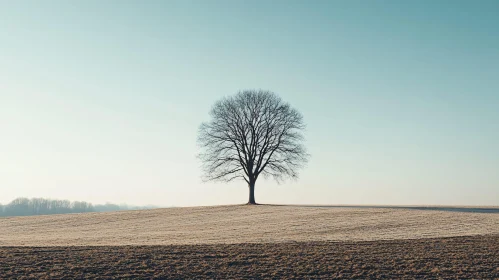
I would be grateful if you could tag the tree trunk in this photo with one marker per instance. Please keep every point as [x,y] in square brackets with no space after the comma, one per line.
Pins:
[251,186]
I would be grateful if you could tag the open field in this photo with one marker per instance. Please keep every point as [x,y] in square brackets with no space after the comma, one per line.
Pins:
[242,224]
[474,257]
[264,242]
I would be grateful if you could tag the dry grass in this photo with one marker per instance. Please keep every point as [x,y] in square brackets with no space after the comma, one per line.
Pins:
[241,224]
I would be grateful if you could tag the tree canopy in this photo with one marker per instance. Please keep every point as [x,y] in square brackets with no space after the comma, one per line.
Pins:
[250,134]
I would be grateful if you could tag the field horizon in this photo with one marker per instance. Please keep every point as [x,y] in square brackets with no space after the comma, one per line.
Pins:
[261,242]
[233,224]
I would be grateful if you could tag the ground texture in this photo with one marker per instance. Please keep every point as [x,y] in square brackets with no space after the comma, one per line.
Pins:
[242,224]
[254,242]
[445,258]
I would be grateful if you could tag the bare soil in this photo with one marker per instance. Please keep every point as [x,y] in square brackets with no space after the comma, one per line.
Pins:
[442,258]
[259,242]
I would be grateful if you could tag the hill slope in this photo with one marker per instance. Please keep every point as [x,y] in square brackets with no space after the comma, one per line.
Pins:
[242,224]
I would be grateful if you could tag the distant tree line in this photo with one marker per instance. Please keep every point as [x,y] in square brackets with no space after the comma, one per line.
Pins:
[41,206]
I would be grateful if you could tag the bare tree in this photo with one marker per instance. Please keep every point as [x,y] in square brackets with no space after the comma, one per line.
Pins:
[250,134]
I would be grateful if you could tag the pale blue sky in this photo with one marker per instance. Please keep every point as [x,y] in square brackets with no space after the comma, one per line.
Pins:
[101,100]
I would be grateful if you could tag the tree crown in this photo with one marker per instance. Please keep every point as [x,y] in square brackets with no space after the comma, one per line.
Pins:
[250,134]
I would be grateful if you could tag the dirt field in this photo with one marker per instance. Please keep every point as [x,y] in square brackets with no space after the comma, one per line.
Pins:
[242,224]
[445,258]
[263,242]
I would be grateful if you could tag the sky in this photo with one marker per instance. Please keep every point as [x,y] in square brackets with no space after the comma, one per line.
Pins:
[102,100]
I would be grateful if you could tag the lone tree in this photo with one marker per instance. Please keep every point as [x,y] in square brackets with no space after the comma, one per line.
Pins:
[250,134]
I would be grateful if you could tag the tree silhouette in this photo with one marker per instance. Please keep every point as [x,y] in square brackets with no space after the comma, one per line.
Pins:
[250,134]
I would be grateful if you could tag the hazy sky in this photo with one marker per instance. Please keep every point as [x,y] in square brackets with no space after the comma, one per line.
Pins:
[101,100]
